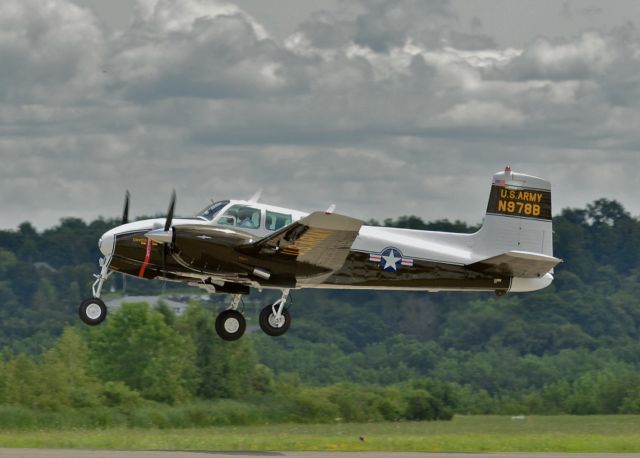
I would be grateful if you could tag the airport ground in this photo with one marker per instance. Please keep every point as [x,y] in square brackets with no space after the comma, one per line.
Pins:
[477,434]
[66,453]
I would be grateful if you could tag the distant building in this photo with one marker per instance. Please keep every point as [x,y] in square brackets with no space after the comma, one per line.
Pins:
[178,307]
[44,265]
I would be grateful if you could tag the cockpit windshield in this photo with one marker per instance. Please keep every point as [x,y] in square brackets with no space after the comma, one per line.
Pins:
[210,212]
[241,216]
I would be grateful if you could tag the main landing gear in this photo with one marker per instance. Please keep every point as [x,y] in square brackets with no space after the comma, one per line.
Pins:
[275,319]
[230,324]
[93,311]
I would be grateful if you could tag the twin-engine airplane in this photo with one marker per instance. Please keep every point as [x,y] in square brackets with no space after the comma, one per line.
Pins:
[233,246]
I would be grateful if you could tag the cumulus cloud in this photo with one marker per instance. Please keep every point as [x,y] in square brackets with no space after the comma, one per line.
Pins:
[383,107]
[49,51]
[195,48]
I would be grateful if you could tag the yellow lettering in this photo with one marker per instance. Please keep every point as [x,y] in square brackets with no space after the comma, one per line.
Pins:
[511,206]
[536,210]
[527,209]
[503,193]
[502,206]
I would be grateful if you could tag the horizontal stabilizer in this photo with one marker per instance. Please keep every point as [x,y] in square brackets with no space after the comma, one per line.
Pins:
[321,239]
[517,264]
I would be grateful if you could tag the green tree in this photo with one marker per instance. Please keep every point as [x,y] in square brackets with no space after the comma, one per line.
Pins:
[66,371]
[24,383]
[226,369]
[136,347]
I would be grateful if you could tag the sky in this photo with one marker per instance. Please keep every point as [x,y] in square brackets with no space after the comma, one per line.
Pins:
[382,107]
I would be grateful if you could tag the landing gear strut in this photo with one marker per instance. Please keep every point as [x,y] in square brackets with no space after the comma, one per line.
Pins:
[275,319]
[93,311]
[230,324]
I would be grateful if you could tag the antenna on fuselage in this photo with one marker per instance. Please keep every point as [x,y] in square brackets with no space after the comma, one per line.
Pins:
[254,198]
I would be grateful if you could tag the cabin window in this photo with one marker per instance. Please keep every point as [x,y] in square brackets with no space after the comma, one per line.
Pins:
[241,216]
[274,221]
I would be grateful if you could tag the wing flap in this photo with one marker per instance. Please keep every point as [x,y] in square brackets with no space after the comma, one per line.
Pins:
[321,239]
[517,264]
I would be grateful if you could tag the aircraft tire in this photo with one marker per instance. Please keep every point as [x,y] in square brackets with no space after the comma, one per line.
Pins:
[267,325]
[92,311]
[230,325]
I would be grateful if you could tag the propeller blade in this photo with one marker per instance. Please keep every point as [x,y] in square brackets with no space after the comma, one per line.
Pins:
[172,204]
[125,212]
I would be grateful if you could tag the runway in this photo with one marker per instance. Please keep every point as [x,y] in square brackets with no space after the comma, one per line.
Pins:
[75,453]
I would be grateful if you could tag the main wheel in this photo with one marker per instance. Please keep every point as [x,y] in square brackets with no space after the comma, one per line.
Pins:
[230,325]
[272,326]
[92,311]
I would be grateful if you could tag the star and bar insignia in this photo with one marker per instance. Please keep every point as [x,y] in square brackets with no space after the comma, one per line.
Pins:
[390,259]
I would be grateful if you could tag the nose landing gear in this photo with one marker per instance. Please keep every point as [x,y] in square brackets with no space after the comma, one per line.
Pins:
[93,311]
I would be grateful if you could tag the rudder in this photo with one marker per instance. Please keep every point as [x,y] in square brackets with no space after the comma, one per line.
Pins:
[518,216]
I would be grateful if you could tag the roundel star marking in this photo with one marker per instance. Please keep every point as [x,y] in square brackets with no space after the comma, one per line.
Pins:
[390,261]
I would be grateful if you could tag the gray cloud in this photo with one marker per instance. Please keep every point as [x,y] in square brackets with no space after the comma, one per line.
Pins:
[47,52]
[384,108]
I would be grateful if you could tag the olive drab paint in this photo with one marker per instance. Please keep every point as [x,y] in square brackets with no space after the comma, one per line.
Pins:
[525,203]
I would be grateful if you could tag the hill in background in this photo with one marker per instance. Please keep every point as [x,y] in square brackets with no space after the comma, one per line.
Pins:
[572,347]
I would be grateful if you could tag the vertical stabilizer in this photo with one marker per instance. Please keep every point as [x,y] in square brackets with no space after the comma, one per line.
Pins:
[518,217]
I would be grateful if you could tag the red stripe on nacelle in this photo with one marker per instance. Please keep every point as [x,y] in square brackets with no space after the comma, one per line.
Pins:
[145,263]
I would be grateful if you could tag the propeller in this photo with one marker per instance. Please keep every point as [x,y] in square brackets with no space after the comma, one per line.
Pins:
[164,235]
[125,211]
[172,205]
[125,220]
[167,226]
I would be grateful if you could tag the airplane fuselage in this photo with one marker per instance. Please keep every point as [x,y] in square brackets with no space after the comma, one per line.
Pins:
[233,246]
[206,253]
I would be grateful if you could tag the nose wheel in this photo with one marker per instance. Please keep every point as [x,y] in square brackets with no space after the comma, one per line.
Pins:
[92,311]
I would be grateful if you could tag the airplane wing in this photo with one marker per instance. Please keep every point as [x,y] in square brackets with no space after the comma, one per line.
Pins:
[320,239]
[517,264]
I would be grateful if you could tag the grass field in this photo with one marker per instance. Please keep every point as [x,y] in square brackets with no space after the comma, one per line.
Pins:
[464,434]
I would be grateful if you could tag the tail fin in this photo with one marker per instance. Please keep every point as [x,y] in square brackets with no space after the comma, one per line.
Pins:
[518,217]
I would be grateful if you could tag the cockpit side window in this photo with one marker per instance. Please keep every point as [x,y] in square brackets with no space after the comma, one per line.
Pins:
[274,221]
[210,212]
[241,216]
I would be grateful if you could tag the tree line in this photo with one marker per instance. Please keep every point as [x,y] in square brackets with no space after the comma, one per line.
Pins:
[571,348]
[147,367]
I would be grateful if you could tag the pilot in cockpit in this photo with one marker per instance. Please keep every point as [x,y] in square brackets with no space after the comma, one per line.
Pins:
[245,218]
